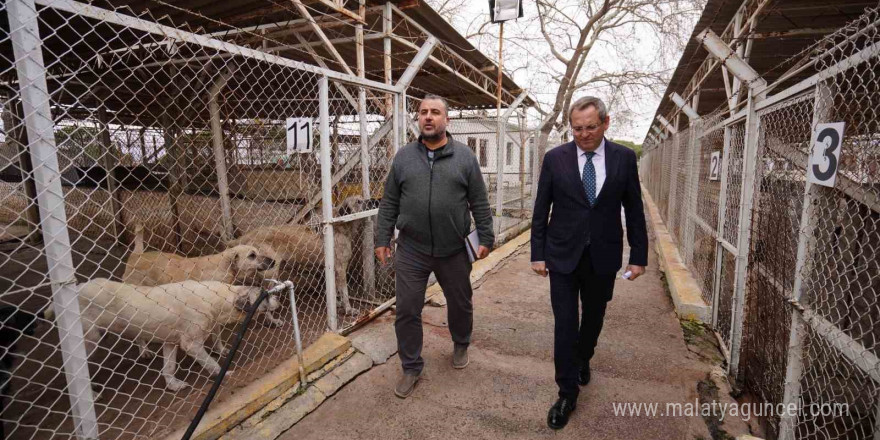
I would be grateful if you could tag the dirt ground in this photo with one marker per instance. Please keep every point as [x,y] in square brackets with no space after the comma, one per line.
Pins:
[508,387]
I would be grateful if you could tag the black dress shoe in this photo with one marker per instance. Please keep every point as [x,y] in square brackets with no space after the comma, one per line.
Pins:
[557,418]
[584,375]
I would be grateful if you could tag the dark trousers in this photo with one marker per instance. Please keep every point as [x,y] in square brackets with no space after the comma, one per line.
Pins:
[412,269]
[576,332]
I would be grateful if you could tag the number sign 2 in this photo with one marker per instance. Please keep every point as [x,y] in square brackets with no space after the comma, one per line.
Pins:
[299,135]
[715,166]
[825,156]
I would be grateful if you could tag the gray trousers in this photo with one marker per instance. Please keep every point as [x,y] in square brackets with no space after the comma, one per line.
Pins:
[412,269]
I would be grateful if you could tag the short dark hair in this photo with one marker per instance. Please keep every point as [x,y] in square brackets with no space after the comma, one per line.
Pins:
[438,98]
[589,101]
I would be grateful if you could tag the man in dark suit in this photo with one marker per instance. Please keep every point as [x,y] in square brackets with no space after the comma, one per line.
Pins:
[585,182]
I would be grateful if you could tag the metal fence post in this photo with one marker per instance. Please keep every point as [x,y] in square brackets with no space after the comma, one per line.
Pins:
[719,227]
[327,204]
[673,184]
[806,244]
[35,99]
[692,193]
[746,207]
[395,124]
[220,156]
[109,163]
[501,134]
[368,242]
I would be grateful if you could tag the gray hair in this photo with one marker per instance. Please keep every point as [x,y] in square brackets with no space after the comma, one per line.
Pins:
[438,98]
[589,101]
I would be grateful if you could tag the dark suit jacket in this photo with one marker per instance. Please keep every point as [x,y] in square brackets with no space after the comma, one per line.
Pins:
[560,241]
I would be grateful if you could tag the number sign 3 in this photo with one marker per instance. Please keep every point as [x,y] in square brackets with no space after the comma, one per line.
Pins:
[825,153]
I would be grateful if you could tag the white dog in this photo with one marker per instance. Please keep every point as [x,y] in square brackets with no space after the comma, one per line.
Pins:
[181,314]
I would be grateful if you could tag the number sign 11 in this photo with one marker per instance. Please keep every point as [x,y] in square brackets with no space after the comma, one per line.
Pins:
[299,135]
[825,153]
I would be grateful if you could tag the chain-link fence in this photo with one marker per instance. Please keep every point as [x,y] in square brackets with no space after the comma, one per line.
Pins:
[789,263]
[154,179]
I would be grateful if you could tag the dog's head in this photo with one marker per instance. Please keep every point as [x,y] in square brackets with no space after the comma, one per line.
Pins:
[246,296]
[248,261]
[14,323]
[351,205]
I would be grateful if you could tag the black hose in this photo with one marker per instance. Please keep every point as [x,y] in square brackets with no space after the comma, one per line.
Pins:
[238,337]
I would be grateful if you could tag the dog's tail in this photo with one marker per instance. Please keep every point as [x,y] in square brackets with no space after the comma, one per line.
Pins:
[139,238]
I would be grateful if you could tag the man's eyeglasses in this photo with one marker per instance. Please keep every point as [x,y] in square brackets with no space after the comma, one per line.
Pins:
[585,128]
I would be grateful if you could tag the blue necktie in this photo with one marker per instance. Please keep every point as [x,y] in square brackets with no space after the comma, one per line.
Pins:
[589,179]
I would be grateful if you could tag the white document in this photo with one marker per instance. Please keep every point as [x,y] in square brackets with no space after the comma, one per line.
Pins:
[472,243]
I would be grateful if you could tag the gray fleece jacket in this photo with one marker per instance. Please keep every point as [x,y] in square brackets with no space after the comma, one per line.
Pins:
[431,206]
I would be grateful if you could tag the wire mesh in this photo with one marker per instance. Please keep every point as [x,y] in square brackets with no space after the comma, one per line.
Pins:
[775,232]
[834,239]
[178,160]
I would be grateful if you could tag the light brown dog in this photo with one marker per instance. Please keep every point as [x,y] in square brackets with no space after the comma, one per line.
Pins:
[241,265]
[181,315]
[302,248]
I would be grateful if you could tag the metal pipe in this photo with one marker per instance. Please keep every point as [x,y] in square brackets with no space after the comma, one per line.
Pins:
[739,68]
[35,100]
[226,230]
[296,335]
[688,110]
[327,204]
[109,163]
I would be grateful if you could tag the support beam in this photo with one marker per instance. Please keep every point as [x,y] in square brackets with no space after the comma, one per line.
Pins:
[688,110]
[304,44]
[464,64]
[340,9]
[227,228]
[483,89]
[327,205]
[368,243]
[320,33]
[666,124]
[108,162]
[416,64]
[737,66]
[386,54]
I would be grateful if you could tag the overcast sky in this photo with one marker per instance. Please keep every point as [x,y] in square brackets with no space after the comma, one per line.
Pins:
[525,48]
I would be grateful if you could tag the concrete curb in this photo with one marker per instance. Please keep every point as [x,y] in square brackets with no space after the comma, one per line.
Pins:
[250,399]
[683,288]
[281,416]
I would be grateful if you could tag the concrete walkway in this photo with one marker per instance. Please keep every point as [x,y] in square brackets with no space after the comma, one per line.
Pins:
[507,389]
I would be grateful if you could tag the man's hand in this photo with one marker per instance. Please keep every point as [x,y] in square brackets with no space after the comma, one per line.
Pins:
[540,268]
[483,252]
[383,253]
[636,271]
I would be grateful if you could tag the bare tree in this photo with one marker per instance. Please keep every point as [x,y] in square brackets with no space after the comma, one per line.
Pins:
[621,50]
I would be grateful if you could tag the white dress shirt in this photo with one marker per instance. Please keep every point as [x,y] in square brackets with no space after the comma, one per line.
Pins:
[598,164]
